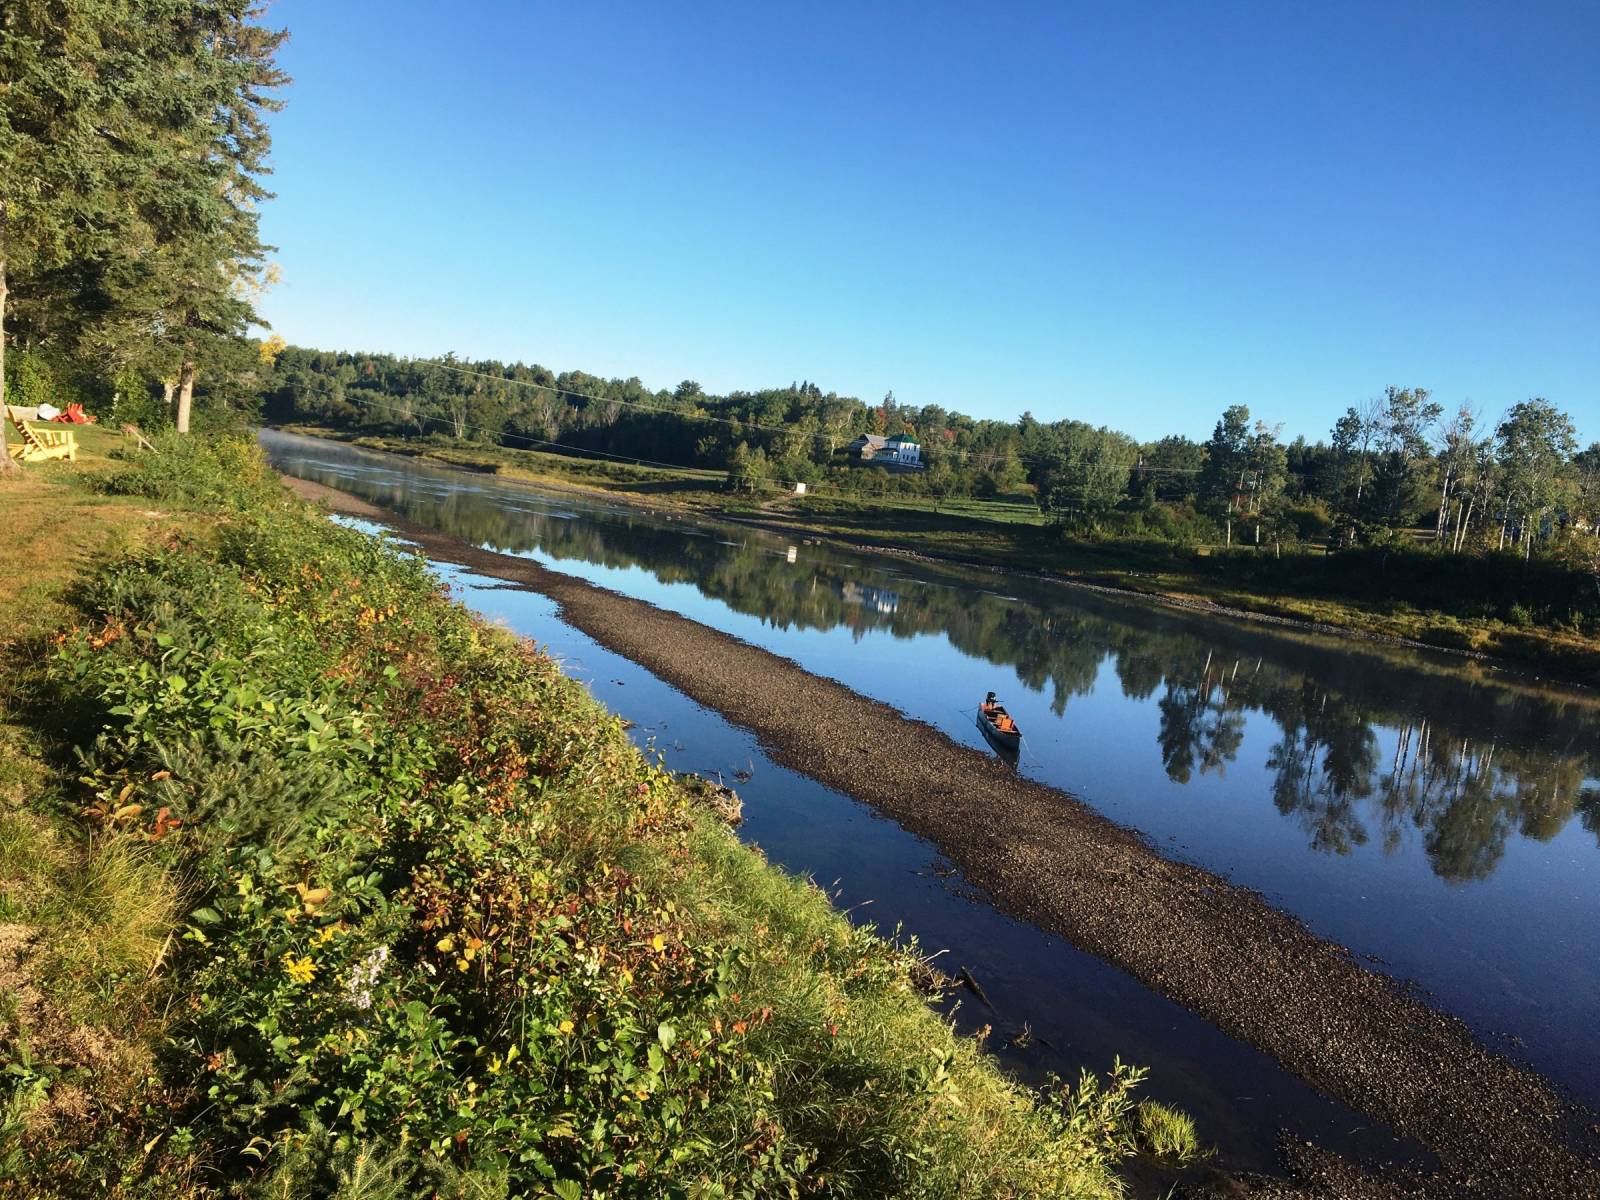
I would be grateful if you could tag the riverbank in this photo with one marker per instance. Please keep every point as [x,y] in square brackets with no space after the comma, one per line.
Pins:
[352,890]
[1219,950]
[1151,570]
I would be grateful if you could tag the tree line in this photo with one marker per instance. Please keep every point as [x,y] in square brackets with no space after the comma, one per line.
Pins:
[1389,466]
[133,141]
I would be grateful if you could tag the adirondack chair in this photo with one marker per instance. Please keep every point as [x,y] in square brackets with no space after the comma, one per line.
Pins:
[39,443]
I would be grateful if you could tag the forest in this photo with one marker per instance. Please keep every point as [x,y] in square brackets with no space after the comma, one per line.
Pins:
[1394,466]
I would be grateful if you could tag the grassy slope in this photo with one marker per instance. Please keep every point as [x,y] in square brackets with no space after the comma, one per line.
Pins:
[81,920]
[1015,537]
[535,964]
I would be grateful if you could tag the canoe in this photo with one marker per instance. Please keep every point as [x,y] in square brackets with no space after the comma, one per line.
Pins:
[1007,740]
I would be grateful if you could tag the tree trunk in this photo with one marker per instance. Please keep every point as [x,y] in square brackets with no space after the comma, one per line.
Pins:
[6,465]
[185,395]
[167,388]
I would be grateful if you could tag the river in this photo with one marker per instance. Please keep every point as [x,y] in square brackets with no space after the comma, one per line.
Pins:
[1440,819]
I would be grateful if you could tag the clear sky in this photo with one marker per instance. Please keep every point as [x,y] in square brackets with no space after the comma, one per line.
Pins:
[1132,214]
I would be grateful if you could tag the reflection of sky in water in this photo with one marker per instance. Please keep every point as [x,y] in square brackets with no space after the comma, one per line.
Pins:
[1515,950]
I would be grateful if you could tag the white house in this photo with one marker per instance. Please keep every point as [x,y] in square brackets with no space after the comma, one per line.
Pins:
[897,451]
[905,450]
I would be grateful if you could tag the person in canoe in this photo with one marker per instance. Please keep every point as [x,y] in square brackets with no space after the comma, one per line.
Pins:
[997,716]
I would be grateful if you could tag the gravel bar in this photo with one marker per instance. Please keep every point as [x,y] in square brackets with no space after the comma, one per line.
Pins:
[1220,950]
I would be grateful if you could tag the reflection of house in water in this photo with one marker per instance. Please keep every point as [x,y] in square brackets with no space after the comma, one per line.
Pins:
[881,600]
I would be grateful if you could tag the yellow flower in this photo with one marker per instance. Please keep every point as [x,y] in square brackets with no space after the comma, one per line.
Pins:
[301,970]
[565,1027]
[658,943]
[327,934]
[445,944]
[462,964]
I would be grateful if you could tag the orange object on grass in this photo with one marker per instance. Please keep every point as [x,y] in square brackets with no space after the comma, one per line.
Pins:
[74,415]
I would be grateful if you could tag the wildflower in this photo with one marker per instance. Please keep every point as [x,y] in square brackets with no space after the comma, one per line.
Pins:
[358,989]
[445,944]
[301,970]
[565,1027]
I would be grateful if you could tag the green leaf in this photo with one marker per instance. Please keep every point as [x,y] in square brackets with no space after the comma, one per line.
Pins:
[567,1189]
[205,916]
[666,1035]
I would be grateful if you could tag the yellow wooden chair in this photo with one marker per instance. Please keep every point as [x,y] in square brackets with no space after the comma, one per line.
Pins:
[40,443]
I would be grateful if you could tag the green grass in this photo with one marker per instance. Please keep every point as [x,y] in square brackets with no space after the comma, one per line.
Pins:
[352,894]
[83,918]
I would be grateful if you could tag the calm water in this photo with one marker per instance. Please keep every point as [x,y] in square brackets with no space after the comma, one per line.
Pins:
[1441,820]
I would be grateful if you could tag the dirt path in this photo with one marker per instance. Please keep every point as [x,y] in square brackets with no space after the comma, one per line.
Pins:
[1220,950]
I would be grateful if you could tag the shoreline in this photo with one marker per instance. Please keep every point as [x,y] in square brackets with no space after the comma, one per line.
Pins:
[1218,949]
[1524,668]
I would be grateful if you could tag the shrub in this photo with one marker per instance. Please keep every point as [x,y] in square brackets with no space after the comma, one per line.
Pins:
[224,473]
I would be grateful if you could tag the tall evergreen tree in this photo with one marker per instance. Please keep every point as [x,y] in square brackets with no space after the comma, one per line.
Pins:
[63,124]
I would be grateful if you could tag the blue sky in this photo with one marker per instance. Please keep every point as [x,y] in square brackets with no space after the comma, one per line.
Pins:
[1129,214]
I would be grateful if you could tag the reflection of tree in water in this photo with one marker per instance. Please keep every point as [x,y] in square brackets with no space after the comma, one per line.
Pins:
[1589,810]
[1198,726]
[1480,767]
[1323,766]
